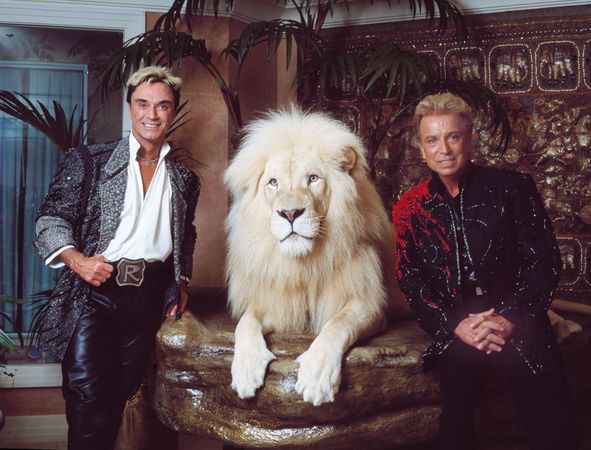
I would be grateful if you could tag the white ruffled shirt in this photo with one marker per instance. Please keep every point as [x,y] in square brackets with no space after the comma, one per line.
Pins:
[144,230]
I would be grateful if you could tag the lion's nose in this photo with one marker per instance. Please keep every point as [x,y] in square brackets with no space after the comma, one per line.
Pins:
[291,214]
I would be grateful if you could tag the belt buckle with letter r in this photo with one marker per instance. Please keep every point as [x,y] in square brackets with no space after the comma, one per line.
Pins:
[130,272]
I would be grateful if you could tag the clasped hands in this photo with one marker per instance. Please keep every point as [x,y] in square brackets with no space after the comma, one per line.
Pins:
[486,331]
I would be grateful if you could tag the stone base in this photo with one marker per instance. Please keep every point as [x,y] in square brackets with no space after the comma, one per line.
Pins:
[385,399]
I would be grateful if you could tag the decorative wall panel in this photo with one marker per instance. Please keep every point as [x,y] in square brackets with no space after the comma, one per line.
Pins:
[466,64]
[557,67]
[510,69]
[540,67]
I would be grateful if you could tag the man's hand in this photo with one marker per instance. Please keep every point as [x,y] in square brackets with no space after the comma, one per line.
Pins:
[489,335]
[484,331]
[94,270]
[182,301]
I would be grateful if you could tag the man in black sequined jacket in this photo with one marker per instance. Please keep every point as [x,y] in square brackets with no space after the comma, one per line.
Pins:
[119,216]
[509,240]
[478,263]
[75,192]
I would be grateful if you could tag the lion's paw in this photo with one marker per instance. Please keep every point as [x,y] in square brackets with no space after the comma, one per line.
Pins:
[248,370]
[319,376]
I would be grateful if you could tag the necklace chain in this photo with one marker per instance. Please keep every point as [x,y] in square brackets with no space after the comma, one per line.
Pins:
[148,162]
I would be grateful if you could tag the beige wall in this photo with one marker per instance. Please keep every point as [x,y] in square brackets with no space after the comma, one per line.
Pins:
[208,135]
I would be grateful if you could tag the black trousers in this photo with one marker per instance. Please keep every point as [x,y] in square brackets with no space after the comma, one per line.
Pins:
[108,356]
[543,401]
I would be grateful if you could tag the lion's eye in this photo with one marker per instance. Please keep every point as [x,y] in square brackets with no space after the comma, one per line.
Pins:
[272,182]
[313,178]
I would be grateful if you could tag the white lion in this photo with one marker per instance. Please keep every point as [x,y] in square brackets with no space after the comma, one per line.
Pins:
[306,236]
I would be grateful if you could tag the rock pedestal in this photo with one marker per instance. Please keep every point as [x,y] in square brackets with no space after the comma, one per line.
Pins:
[385,399]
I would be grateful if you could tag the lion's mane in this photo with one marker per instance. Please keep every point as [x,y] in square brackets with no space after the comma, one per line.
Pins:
[301,293]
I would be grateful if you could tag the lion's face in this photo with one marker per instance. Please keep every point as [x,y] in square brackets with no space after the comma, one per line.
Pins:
[297,195]
[305,222]
[294,181]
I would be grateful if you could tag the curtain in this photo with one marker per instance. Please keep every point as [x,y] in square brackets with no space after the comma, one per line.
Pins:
[11,137]
[29,160]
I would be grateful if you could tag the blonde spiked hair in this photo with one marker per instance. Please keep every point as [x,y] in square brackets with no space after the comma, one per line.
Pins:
[155,74]
[445,103]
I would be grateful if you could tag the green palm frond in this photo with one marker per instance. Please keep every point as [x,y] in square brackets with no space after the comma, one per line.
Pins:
[313,13]
[385,71]
[447,11]
[9,299]
[65,132]
[192,9]
[39,306]
[166,48]
[180,119]
[396,68]
[5,340]
[334,68]
[272,33]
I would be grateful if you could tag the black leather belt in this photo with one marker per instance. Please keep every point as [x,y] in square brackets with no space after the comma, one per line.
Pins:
[132,272]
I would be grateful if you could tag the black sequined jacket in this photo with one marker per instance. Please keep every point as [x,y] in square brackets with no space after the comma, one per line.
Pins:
[510,242]
[82,209]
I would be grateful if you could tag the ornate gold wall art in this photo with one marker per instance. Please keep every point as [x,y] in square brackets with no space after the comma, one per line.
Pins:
[585,214]
[345,89]
[512,155]
[511,68]
[587,64]
[571,251]
[466,64]
[587,268]
[557,66]
[435,61]
[536,66]
[349,116]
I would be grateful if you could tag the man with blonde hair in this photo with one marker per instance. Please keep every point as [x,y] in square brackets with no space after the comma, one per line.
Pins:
[119,216]
[478,263]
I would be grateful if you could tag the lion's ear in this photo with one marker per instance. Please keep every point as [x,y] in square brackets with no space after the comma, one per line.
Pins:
[349,158]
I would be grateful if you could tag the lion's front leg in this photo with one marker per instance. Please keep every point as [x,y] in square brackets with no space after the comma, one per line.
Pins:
[319,375]
[251,356]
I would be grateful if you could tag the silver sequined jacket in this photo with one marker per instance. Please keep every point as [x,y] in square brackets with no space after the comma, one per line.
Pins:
[82,209]
[509,241]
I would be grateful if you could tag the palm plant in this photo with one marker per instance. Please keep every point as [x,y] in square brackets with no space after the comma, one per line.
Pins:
[6,343]
[395,68]
[65,132]
[388,79]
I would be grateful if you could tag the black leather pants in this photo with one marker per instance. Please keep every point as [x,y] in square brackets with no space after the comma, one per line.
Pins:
[108,355]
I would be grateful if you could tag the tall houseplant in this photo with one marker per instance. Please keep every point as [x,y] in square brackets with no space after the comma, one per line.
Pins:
[389,69]
[6,342]
[403,73]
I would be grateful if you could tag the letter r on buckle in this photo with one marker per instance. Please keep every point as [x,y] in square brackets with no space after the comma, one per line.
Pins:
[130,272]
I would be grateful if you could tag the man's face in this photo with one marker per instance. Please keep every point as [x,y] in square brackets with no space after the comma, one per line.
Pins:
[152,111]
[445,143]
